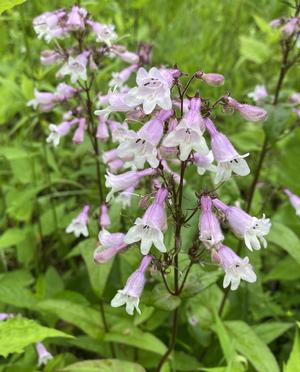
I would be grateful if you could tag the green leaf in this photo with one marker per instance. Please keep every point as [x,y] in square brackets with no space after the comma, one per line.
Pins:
[285,269]
[293,364]
[285,238]
[17,333]
[278,118]
[13,294]
[253,49]
[135,337]
[199,280]
[225,341]
[103,365]
[251,346]
[268,332]
[12,237]
[98,273]
[162,299]
[83,317]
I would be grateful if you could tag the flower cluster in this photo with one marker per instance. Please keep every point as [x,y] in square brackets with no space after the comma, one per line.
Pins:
[79,62]
[289,27]
[177,131]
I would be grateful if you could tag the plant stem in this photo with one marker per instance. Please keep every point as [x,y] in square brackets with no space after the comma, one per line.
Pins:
[172,341]
[92,133]
[177,289]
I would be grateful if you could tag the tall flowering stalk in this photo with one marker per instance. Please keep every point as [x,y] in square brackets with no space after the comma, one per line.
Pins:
[175,136]
[80,47]
[178,130]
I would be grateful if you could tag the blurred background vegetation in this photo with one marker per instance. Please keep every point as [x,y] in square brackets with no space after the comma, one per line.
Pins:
[42,189]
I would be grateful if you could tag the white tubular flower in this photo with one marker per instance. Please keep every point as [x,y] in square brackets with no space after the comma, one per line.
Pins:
[236,268]
[152,89]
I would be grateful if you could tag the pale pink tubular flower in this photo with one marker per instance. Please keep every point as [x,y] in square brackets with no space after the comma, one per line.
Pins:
[297,112]
[212,79]
[126,56]
[118,130]
[65,91]
[124,197]
[130,294]
[259,94]
[253,230]
[210,233]
[4,316]
[76,18]
[43,354]
[110,245]
[276,23]
[122,182]
[119,78]
[229,160]
[102,130]
[249,112]
[141,146]
[116,165]
[49,57]
[292,26]
[79,133]
[104,219]
[188,134]
[78,226]
[44,101]
[204,162]
[235,267]
[149,229]
[104,33]
[50,25]
[75,67]
[152,90]
[294,199]
[58,131]
[117,103]
[295,98]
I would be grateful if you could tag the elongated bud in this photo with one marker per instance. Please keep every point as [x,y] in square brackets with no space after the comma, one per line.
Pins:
[212,79]
[104,219]
[79,133]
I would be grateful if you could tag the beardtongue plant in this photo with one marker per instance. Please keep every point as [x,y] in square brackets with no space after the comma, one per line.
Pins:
[150,137]
[174,139]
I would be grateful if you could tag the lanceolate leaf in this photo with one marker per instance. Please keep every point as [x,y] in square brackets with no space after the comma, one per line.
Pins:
[286,239]
[103,365]
[251,346]
[17,333]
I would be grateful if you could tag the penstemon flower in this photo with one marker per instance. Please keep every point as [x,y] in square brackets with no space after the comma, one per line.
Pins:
[251,229]
[229,160]
[58,131]
[149,229]
[204,162]
[140,146]
[294,199]
[104,220]
[110,245]
[78,226]
[130,295]
[79,133]
[248,112]
[210,233]
[259,94]
[122,182]
[43,354]
[236,268]
[152,89]
[75,67]
[188,134]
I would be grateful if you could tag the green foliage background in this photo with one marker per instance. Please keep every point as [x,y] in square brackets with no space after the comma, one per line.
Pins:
[48,276]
